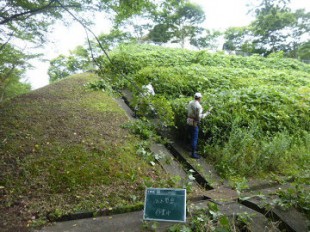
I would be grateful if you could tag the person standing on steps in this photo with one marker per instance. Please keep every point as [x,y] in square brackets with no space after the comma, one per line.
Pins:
[194,115]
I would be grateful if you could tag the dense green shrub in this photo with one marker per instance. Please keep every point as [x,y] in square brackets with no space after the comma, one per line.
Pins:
[131,58]
[261,105]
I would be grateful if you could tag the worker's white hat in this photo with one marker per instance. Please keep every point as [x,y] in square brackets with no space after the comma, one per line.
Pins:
[198,95]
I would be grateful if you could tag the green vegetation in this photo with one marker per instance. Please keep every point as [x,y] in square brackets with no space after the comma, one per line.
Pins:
[140,56]
[260,124]
[67,148]
[12,67]
[176,21]
[24,26]
[275,28]
[64,150]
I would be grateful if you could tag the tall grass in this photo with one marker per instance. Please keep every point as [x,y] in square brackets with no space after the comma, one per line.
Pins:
[251,152]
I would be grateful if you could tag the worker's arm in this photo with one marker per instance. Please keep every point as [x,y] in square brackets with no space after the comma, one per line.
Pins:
[207,113]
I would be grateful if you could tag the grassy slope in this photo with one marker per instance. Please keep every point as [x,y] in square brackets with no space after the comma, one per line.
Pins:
[63,150]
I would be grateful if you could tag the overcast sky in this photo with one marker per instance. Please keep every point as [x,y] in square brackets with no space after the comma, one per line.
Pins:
[220,14]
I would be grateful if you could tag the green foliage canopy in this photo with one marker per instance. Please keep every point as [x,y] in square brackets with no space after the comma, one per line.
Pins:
[176,21]
[304,51]
[27,20]
[62,66]
[12,66]
[275,28]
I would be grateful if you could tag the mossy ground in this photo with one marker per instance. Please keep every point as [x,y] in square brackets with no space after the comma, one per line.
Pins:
[63,150]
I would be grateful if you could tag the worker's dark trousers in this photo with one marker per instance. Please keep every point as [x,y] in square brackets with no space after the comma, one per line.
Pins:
[194,130]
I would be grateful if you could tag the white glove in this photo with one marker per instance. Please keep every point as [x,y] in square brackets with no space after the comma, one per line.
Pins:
[205,114]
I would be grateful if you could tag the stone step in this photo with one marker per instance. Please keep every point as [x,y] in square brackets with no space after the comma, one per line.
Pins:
[175,169]
[256,221]
[201,167]
[127,222]
[291,219]
[222,195]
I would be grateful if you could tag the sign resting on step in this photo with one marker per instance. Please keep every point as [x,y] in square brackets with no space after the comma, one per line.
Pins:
[163,204]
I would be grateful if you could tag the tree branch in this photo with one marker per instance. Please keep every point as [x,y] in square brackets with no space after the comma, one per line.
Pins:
[33,11]
[3,45]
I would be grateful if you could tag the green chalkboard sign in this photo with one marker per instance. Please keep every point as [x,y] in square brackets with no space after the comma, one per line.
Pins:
[162,204]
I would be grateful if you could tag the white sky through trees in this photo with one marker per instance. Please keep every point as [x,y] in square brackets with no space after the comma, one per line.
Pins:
[220,14]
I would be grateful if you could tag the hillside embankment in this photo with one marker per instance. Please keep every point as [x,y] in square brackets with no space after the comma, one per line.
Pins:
[64,149]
